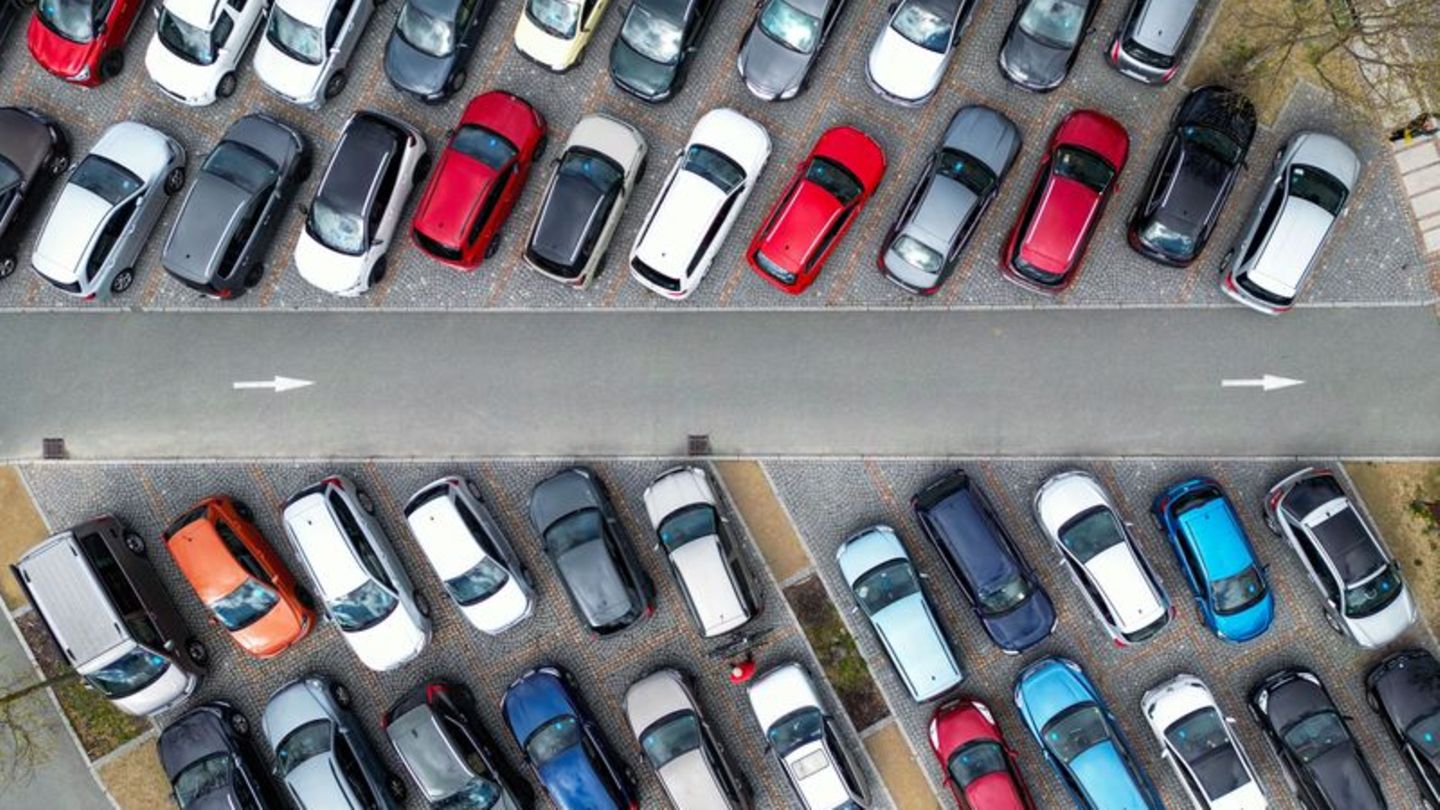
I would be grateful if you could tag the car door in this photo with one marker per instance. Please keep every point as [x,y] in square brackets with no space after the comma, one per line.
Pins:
[347,21]
[110,253]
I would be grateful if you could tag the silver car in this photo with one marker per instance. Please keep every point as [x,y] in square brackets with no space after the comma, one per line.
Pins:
[1151,38]
[109,206]
[321,754]
[680,745]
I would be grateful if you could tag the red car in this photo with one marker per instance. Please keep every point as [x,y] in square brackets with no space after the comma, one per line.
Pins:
[980,768]
[82,41]
[478,179]
[829,189]
[1076,179]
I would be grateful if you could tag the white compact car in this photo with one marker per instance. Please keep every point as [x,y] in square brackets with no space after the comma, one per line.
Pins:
[198,45]
[909,58]
[554,33]
[470,554]
[1096,547]
[1201,746]
[712,177]
[803,737]
[107,209]
[307,47]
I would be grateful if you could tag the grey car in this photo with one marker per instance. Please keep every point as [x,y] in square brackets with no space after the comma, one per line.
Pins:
[1151,38]
[954,191]
[680,745]
[229,217]
[783,45]
[33,153]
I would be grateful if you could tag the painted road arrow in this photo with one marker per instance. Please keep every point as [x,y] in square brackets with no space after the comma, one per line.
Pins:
[1269,382]
[279,385]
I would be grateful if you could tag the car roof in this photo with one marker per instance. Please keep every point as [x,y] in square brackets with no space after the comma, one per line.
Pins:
[197,734]
[1126,587]
[940,213]
[202,557]
[1295,237]
[673,239]
[454,197]
[1065,212]
[1348,544]
[365,148]
[1163,23]
[69,230]
[212,209]
[969,540]
[320,540]
[67,593]
[801,221]
[571,211]
[1217,538]
[424,746]
[444,537]
[24,139]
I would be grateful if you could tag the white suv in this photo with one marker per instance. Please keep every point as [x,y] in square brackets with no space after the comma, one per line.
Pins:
[198,44]
[307,47]
[803,737]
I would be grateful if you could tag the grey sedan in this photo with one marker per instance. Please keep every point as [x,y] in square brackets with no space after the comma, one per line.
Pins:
[784,44]
[680,745]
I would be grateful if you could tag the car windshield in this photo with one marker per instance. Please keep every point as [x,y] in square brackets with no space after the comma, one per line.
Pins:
[885,584]
[572,531]
[1168,239]
[302,42]
[965,170]
[9,175]
[483,145]
[477,794]
[1056,23]
[1312,737]
[72,19]
[834,178]
[106,179]
[715,167]
[1425,735]
[796,729]
[671,737]
[1091,533]
[1372,595]
[366,606]
[976,760]
[191,42]
[557,17]
[1076,731]
[302,744]
[1318,187]
[241,166]
[923,25]
[690,523]
[1235,593]
[1083,167]
[790,26]
[552,739]
[426,33]
[1213,141]
[655,37]
[1003,597]
[128,674]
[479,583]
[202,777]
[342,231]
[244,606]
[918,255]
[1202,743]
[596,169]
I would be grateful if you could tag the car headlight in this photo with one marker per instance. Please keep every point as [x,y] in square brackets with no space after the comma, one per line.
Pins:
[789,94]
[83,75]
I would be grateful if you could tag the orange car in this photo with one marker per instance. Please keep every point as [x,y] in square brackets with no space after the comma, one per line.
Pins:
[238,576]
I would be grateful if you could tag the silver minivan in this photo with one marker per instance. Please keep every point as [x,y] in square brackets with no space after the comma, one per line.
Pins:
[1151,38]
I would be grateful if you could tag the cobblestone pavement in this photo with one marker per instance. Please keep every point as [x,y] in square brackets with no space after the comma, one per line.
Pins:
[1375,258]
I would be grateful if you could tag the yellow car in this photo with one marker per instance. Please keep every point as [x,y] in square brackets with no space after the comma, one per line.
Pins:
[555,32]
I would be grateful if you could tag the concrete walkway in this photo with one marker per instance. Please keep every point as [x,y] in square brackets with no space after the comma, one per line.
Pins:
[1419,163]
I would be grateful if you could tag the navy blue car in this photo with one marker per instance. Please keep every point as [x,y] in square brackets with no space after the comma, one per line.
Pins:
[569,755]
[997,581]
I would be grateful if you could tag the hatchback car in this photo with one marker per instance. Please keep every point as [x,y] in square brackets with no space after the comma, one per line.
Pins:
[783,44]
[698,205]
[198,45]
[1101,556]
[1067,199]
[1307,193]
[680,745]
[825,196]
[210,763]
[696,542]
[952,194]
[232,211]
[1195,170]
[434,733]
[582,535]
[650,57]
[886,587]
[1404,689]
[321,753]
[1225,574]
[1043,40]
[594,176]
[1201,746]
[802,736]
[1311,738]
[431,45]
[357,206]
[107,209]
[563,745]
[243,583]
[34,153]
[1365,596]
[980,769]
[471,554]
[82,41]
[1080,738]
[1152,37]
[307,48]
[909,58]
[554,33]
[995,578]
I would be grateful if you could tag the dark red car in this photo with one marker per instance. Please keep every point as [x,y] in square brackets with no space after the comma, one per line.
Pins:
[82,41]
[980,769]
[1067,199]
[827,193]
[478,178]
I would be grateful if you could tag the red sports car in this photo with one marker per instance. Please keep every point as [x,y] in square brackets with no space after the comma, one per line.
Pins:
[829,189]
[478,179]
[82,41]
[979,767]
[1076,179]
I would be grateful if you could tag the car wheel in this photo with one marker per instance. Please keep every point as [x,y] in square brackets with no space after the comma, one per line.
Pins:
[136,544]
[365,501]
[644,166]
[303,171]
[335,85]
[1271,523]
[1372,701]
[340,694]
[111,64]
[473,489]
[377,273]
[57,164]
[7,266]
[226,87]
[244,511]
[543,145]
[305,598]
[175,180]
[122,281]
[490,249]
[239,724]
[196,652]
[1333,622]
[395,786]
[422,168]
[254,275]
[422,605]
[456,82]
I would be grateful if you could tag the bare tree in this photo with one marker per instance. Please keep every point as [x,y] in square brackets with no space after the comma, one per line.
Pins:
[21,750]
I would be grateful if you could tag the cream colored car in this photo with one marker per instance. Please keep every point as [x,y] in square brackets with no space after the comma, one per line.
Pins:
[555,32]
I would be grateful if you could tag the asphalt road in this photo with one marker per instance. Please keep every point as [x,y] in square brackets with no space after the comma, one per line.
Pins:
[1095,382]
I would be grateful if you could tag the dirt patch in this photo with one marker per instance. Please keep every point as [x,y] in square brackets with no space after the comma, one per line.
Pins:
[136,780]
[835,647]
[20,528]
[899,770]
[750,492]
[1404,500]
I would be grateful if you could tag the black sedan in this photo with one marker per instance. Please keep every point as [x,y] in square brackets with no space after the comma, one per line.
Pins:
[431,45]
[651,54]
[209,763]
[33,155]
[1043,40]
[1197,167]
[1405,690]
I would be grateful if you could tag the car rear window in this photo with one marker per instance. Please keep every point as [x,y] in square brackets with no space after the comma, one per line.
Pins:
[437,248]
[1319,187]
[1084,167]
[1348,545]
[714,166]
[106,179]
[835,179]
[483,145]
[1091,533]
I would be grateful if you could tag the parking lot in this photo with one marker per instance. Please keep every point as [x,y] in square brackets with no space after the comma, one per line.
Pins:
[1374,258]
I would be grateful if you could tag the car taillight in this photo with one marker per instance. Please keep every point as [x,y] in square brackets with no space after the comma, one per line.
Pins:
[384,721]
[1119,642]
[1170,74]
[1323,471]
[434,690]
[1172,610]
[332,481]
[1115,51]
[1274,502]
[90,297]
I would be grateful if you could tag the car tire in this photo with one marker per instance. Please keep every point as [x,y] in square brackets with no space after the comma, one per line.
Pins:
[366,502]
[474,490]
[644,167]
[122,281]
[335,85]
[196,651]
[396,787]
[57,164]
[422,168]
[175,180]
[305,169]
[244,511]
[7,266]
[490,249]
[422,605]
[456,82]
[542,146]
[1372,701]
[340,694]
[111,64]
[226,86]
[239,724]
[135,543]
[254,275]
[377,273]
[1271,523]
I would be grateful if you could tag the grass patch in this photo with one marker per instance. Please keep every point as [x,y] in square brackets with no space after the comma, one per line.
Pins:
[1404,500]
[844,667]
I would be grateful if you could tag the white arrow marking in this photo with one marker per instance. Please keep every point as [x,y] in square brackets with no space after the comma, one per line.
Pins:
[1269,382]
[279,385]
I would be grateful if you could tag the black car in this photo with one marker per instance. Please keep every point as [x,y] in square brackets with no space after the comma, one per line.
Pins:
[1197,167]
[34,153]
[1000,586]
[229,217]
[431,45]
[210,763]
[584,538]
[783,45]
[651,54]
[1043,40]
[1405,690]
[1313,742]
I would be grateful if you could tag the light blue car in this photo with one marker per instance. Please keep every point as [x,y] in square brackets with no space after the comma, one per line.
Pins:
[887,589]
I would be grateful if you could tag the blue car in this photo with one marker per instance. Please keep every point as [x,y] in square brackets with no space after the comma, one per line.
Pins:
[570,757]
[1224,573]
[1081,739]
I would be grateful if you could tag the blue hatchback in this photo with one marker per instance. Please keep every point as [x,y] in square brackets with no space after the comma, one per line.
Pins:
[570,757]
[1224,573]
[1081,739]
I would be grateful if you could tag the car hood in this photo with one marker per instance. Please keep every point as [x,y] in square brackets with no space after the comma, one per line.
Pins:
[1344,780]
[292,79]
[333,272]
[169,688]
[1048,691]
[902,68]
[1329,153]
[1104,776]
[56,53]
[769,68]
[689,782]
[1388,624]
[1410,689]
[985,134]
[574,782]
[690,207]
[264,136]
[271,633]
[1126,586]
[392,642]
[184,79]
[1032,62]
[414,70]
[594,580]
[918,646]
[64,244]
[702,565]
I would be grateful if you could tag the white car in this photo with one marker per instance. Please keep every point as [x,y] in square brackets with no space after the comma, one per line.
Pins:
[364,588]
[110,203]
[350,223]
[198,45]
[699,203]
[909,58]
[1096,547]
[1197,739]
[470,554]
[803,737]
[307,47]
